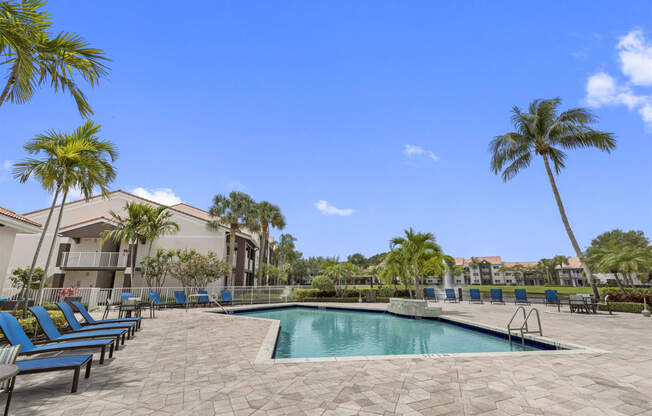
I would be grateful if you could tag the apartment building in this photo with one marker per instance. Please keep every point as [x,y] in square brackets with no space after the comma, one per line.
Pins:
[82,260]
[493,270]
[11,225]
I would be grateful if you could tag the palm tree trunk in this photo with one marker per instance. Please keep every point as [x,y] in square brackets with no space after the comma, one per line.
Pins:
[38,249]
[54,239]
[11,81]
[229,280]
[569,231]
[620,284]
[263,239]
[631,281]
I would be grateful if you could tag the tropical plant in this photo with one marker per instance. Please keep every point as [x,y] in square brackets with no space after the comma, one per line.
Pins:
[158,222]
[396,269]
[421,251]
[558,262]
[35,57]
[374,272]
[20,279]
[156,268]
[322,282]
[130,228]
[211,269]
[78,160]
[627,260]
[285,249]
[543,131]
[268,215]
[341,275]
[236,211]
[271,273]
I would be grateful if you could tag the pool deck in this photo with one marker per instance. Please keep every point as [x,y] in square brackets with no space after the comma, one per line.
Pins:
[201,363]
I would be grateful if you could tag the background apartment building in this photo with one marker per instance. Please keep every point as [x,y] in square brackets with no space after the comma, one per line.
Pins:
[82,260]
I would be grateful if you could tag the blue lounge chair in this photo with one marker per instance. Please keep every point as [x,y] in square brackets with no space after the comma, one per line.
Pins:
[497,296]
[126,295]
[50,329]
[69,314]
[180,298]
[89,319]
[203,299]
[65,362]
[520,296]
[475,296]
[450,296]
[155,299]
[430,294]
[226,297]
[552,299]
[15,335]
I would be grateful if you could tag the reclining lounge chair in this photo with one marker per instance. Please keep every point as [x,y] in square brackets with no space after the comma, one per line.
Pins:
[69,314]
[16,336]
[90,321]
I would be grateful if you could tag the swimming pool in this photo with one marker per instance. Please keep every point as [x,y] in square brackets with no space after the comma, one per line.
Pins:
[310,332]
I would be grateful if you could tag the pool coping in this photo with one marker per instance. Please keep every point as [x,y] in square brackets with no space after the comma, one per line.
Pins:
[266,350]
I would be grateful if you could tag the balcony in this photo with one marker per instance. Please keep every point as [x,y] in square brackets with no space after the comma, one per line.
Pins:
[79,260]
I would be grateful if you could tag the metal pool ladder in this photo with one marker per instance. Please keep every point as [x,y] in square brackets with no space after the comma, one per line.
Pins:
[524,329]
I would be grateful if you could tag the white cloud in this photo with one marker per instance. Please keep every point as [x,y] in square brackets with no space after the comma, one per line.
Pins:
[6,165]
[164,196]
[327,209]
[413,151]
[4,170]
[635,54]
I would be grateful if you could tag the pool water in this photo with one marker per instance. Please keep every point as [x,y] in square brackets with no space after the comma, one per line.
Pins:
[310,332]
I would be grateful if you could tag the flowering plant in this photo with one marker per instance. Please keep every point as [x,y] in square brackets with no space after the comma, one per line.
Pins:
[68,291]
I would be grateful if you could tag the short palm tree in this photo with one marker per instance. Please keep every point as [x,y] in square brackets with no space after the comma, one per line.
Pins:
[131,227]
[628,260]
[236,211]
[544,132]
[80,160]
[268,215]
[603,260]
[419,248]
[35,56]
[158,222]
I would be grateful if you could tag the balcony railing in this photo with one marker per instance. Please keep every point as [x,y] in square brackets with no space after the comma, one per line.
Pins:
[94,260]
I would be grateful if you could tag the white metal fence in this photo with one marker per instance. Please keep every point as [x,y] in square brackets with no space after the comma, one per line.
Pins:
[95,296]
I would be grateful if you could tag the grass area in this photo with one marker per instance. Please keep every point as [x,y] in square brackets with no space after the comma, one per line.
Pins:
[562,290]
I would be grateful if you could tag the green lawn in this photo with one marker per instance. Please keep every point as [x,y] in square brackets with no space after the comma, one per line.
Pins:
[565,290]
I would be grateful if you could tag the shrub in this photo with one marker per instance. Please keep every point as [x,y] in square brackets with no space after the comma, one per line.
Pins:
[323,283]
[386,292]
[636,297]
[631,307]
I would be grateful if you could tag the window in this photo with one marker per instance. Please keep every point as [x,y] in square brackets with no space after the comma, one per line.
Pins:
[496,267]
[476,274]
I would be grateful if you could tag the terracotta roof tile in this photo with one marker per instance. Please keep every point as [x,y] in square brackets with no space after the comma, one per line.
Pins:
[9,213]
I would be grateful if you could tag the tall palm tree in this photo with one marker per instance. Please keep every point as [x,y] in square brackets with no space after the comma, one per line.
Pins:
[238,210]
[285,249]
[268,215]
[80,160]
[419,249]
[35,56]
[397,264]
[130,228]
[158,222]
[543,131]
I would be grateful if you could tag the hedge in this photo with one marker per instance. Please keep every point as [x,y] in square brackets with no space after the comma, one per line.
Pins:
[630,297]
[630,307]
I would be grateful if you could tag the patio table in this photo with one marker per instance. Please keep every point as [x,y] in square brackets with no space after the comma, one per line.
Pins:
[8,371]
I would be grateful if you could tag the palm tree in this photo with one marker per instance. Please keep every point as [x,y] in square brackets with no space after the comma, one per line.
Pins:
[603,260]
[397,264]
[36,57]
[628,260]
[285,249]
[558,260]
[158,223]
[543,132]
[130,228]
[419,249]
[268,214]
[238,210]
[80,160]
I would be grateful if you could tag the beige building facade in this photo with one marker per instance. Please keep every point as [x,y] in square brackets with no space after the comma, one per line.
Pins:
[12,225]
[81,259]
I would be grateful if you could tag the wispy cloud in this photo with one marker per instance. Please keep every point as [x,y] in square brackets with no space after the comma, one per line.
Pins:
[164,196]
[635,55]
[327,209]
[417,151]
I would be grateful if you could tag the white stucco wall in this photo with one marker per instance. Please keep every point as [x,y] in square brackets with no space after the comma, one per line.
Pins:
[7,238]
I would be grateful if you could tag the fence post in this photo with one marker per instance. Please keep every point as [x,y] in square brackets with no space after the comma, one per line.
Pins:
[252,296]
[269,294]
[459,290]
[92,299]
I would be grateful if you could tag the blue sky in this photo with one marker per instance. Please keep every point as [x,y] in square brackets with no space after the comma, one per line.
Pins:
[384,110]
